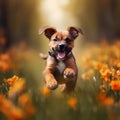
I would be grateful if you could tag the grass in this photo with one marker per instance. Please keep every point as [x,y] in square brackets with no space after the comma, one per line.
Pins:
[96,96]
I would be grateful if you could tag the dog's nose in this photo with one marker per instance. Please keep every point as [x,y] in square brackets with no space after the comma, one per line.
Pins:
[61,46]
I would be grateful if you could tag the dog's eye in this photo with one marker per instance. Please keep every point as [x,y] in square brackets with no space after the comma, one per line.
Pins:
[55,39]
[68,40]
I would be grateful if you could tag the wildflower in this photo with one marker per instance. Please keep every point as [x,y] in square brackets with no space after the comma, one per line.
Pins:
[17,85]
[97,65]
[16,114]
[115,85]
[11,81]
[104,100]
[102,88]
[5,62]
[112,72]
[45,91]
[25,102]
[107,80]
[118,65]
[118,73]
[10,110]
[105,73]
[72,102]
[87,75]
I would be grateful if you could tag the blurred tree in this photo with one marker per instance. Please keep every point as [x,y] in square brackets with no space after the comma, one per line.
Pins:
[24,20]
[4,29]
[100,19]
[109,19]
[20,20]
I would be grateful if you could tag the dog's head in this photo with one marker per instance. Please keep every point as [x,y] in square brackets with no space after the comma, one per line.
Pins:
[61,43]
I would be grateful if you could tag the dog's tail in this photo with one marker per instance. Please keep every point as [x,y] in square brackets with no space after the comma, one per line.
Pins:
[43,56]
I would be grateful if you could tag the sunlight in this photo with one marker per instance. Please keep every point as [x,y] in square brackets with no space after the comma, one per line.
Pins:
[55,13]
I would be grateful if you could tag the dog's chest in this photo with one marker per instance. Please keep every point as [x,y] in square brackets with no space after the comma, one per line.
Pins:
[61,66]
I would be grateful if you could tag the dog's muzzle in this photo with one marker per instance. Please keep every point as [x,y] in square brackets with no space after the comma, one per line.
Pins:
[62,51]
[61,47]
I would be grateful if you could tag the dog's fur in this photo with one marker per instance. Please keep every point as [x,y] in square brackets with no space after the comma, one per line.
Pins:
[61,67]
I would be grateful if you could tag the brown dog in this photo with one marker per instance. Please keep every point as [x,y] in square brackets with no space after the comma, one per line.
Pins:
[61,66]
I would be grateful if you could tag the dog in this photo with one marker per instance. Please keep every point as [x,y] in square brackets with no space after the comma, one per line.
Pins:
[61,66]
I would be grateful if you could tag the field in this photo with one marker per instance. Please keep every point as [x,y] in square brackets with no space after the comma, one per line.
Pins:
[23,95]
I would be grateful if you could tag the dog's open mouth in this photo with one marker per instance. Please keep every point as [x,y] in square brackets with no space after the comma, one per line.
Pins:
[61,55]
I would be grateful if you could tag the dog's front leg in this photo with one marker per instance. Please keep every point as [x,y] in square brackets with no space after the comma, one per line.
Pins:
[70,74]
[48,74]
[71,69]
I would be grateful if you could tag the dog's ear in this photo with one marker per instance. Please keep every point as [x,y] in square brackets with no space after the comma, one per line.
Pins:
[48,31]
[74,32]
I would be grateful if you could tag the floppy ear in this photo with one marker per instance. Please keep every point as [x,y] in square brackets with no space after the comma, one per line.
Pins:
[74,32]
[48,31]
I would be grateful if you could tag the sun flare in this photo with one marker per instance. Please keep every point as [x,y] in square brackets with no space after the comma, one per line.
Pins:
[56,13]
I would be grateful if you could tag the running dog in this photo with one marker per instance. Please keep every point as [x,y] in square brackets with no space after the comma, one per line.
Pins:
[60,67]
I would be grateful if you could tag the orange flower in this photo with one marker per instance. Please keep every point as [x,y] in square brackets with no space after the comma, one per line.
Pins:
[17,85]
[112,70]
[25,102]
[105,72]
[97,65]
[102,88]
[45,91]
[118,73]
[72,102]
[9,110]
[107,101]
[115,85]
[16,114]
[5,62]
[118,64]
[11,81]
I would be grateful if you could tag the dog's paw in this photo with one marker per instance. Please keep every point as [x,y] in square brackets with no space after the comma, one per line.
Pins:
[69,73]
[52,84]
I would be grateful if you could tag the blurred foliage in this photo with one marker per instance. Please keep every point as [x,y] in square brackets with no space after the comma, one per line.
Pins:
[20,20]
[23,93]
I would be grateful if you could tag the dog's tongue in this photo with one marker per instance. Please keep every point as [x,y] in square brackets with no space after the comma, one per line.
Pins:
[61,55]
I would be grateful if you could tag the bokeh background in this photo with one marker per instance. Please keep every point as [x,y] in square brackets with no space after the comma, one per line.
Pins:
[20,20]
[20,46]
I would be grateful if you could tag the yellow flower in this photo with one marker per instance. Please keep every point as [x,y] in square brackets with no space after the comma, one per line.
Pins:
[72,102]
